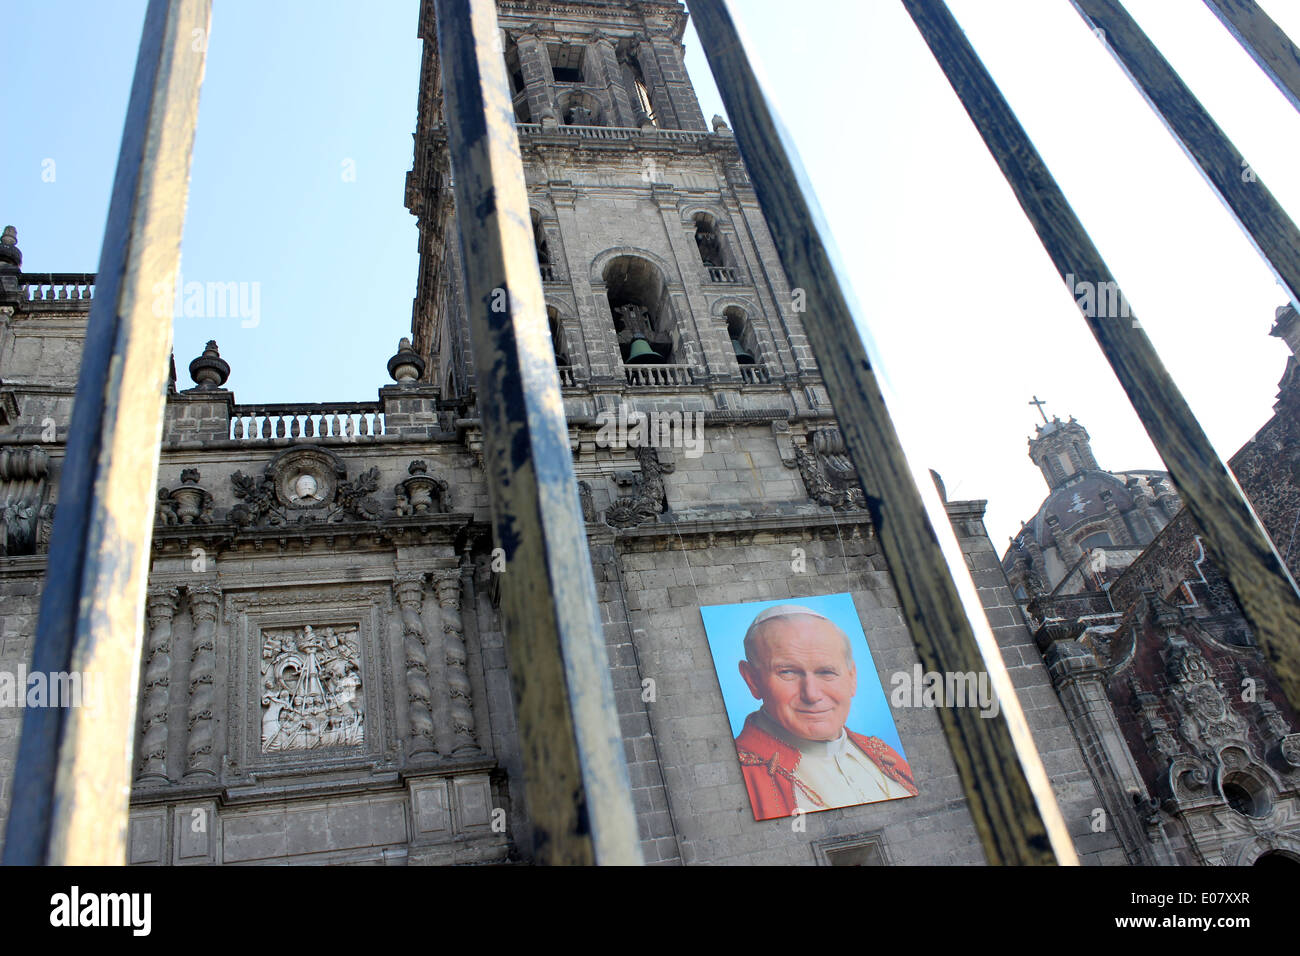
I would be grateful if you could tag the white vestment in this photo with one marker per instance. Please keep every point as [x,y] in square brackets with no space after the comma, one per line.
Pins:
[836,770]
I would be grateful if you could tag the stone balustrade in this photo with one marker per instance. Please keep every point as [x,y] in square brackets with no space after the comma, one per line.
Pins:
[659,376]
[614,133]
[57,286]
[269,422]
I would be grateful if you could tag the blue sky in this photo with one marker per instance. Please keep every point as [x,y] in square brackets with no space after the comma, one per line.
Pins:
[954,286]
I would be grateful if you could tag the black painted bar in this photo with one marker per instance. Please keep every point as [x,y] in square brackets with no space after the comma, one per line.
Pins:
[1265,41]
[1262,218]
[1008,793]
[1232,533]
[576,778]
[73,775]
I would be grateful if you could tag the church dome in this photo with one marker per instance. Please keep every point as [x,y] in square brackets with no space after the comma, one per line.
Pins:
[1087,508]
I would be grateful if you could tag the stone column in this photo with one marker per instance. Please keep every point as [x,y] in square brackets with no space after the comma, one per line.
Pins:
[672,71]
[665,111]
[1139,519]
[705,344]
[160,611]
[535,65]
[460,738]
[599,343]
[1080,682]
[409,589]
[1119,529]
[200,758]
[603,70]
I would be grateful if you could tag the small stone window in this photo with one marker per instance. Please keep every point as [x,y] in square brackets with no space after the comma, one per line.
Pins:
[1098,540]
[864,850]
[1246,795]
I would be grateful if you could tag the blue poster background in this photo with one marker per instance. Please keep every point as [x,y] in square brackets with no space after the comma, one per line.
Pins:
[725,626]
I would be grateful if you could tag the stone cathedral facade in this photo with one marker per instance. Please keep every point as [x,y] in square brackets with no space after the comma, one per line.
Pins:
[1152,656]
[324,678]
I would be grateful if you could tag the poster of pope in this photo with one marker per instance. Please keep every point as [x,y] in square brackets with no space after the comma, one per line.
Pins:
[811,722]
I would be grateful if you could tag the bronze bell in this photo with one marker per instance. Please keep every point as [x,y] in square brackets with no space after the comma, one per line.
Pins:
[743,357]
[641,353]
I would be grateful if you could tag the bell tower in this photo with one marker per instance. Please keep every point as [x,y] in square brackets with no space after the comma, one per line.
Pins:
[660,276]
[1062,450]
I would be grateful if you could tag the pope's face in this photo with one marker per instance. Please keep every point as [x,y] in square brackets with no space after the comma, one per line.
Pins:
[803,676]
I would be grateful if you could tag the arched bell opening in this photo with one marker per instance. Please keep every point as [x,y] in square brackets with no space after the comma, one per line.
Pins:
[709,241]
[581,109]
[643,315]
[518,88]
[543,248]
[744,343]
[558,342]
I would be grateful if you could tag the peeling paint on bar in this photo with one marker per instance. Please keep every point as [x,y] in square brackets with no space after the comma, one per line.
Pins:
[72,779]
[579,794]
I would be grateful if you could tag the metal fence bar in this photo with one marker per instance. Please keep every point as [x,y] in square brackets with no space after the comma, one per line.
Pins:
[1233,534]
[1009,795]
[1265,41]
[1262,218]
[72,779]
[579,795]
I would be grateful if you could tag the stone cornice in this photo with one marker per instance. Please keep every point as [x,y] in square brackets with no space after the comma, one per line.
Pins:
[425,528]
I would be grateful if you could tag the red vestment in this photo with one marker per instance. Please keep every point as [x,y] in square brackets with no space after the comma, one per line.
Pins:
[768,766]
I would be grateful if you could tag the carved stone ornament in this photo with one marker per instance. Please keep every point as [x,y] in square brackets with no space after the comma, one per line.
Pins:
[24,484]
[1207,721]
[422,493]
[1289,747]
[828,472]
[188,503]
[1189,779]
[311,689]
[650,499]
[301,485]
[588,506]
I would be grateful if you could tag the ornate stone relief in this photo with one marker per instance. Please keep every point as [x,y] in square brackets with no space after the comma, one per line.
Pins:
[24,519]
[588,507]
[302,485]
[422,493]
[828,472]
[187,504]
[1207,722]
[311,688]
[160,613]
[649,500]
[200,756]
